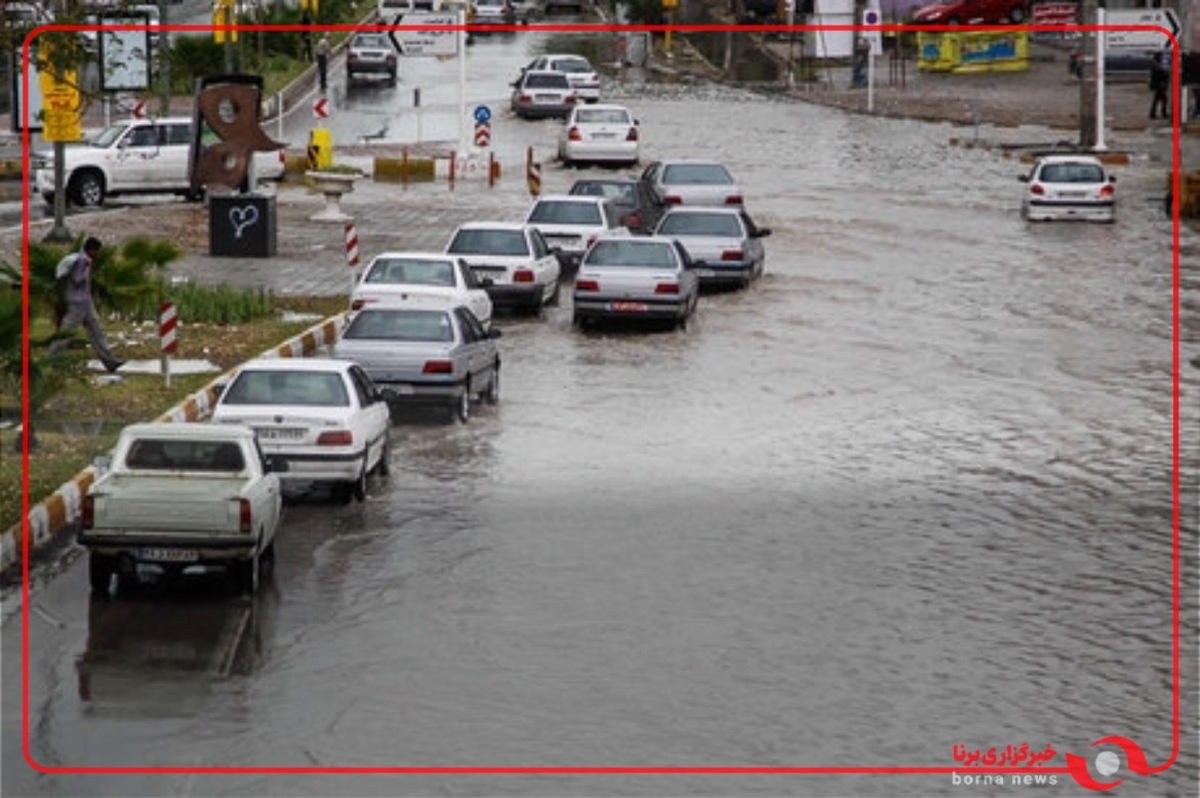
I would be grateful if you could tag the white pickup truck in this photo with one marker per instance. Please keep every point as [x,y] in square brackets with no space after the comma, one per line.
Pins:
[180,496]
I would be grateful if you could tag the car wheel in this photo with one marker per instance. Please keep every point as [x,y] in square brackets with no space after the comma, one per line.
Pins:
[493,392]
[266,561]
[101,568]
[462,410]
[244,575]
[86,188]
[555,294]
[383,467]
[358,489]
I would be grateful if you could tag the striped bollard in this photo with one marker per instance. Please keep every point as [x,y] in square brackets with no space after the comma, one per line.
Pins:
[167,321]
[352,253]
[533,174]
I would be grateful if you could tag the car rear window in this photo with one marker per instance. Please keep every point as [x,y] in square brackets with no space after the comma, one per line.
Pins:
[695,174]
[410,272]
[631,253]
[400,325]
[151,454]
[1072,173]
[313,388]
[709,224]
[489,242]
[602,116]
[548,81]
[370,41]
[550,212]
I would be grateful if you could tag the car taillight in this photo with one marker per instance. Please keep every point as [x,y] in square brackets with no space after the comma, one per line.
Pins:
[341,437]
[574,135]
[438,367]
[359,304]
[587,285]
[672,199]
[523,276]
[591,240]
[632,220]
[88,515]
[733,199]
[632,134]
[667,288]
[1037,188]
[524,99]
[1107,191]
[572,99]
[733,254]
[245,521]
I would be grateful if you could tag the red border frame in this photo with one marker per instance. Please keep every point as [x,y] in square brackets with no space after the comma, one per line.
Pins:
[1077,766]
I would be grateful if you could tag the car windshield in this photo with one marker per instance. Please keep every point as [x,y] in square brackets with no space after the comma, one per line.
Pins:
[151,454]
[550,212]
[489,242]
[369,41]
[695,174]
[411,272]
[268,387]
[708,224]
[1072,173]
[106,137]
[400,325]
[602,116]
[654,254]
[547,81]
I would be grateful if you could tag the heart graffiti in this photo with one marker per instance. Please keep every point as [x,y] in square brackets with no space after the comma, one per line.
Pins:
[242,217]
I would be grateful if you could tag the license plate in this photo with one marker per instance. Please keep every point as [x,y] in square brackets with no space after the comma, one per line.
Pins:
[1072,194]
[279,433]
[705,273]
[547,99]
[400,389]
[627,307]
[154,554]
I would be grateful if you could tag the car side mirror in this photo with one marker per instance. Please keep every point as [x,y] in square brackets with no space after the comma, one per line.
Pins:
[101,464]
[1023,178]
[762,232]
[1112,178]
[219,389]
[486,282]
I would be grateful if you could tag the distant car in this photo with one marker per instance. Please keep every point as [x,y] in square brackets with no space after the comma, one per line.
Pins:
[524,10]
[523,269]
[972,12]
[542,93]
[640,278]
[397,277]
[570,6]
[724,244]
[424,356]
[692,182]
[573,223]
[493,12]
[599,134]
[323,417]
[579,71]
[371,56]
[639,208]
[1069,187]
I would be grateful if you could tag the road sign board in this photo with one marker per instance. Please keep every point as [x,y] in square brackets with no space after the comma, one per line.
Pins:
[321,108]
[483,114]
[424,41]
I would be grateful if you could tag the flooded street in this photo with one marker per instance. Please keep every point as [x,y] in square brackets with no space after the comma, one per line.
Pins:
[912,490]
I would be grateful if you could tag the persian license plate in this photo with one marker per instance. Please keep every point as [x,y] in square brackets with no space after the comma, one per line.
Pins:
[627,307]
[604,135]
[547,99]
[399,388]
[156,554]
[705,272]
[1072,194]
[279,433]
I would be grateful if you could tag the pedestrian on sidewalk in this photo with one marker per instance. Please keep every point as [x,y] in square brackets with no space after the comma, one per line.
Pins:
[1160,81]
[81,308]
[862,54]
[323,60]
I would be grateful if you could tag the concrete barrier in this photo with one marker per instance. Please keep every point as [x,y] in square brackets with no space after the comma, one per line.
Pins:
[53,519]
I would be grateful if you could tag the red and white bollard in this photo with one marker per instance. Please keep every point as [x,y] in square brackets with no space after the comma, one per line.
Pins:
[533,174]
[168,320]
[352,253]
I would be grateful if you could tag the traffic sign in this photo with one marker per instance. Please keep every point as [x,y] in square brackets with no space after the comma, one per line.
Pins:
[872,20]
[483,114]
[321,108]
[139,110]
[483,135]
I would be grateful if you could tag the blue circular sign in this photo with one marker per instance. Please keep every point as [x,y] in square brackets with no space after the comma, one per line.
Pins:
[483,114]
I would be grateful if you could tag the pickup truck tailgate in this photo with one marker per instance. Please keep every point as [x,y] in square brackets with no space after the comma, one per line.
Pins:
[184,505]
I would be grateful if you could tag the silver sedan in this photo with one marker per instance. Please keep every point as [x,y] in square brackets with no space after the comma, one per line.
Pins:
[637,278]
[441,357]
[725,245]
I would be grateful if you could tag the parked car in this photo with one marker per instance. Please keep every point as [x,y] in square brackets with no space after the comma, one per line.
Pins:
[637,204]
[569,6]
[691,182]
[1069,187]
[972,12]
[637,278]
[410,276]
[542,94]
[182,496]
[573,223]
[487,13]
[371,56]
[135,156]
[524,10]
[323,416]
[523,269]
[440,357]
[725,245]
[599,134]
[579,71]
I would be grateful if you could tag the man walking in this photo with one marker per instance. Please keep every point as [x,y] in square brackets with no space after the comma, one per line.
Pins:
[323,60]
[81,309]
[1160,81]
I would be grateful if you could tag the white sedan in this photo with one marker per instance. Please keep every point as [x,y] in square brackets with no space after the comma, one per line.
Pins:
[1069,187]
[579,71]
[599,134]
[523,269]
[689,181]
[572,223]
[419,277]
[725,245]
[324,417]
[640,278]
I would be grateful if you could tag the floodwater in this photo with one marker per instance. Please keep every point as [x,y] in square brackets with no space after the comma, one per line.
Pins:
[911,491]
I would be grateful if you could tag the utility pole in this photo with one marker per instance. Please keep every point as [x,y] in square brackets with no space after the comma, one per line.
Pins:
[1088,85]
[162,54]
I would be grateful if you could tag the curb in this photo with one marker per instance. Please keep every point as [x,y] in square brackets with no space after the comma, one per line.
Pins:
[54,518]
